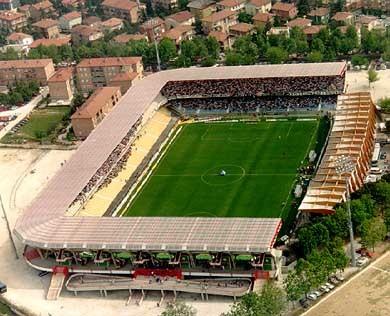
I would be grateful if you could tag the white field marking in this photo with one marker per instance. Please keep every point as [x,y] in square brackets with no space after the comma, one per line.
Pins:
[306,119]
[346,283]
[289,130]
[379,269]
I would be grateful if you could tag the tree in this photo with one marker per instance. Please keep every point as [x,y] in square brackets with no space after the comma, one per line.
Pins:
[179,309]
[384,103]
[244,17]
[276,55]
[303,7]
[373,231]
[167,50]
[315,57]
[294,286]
[358,60]
[271,301]
[372,76]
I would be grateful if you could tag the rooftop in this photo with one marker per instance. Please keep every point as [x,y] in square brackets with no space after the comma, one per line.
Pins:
[341,16]
[52,41]
[120,4]
[313,29]
[124,76]
[200,4]
[177,31]
[180,17]
[45,23]
[366,19]
[242,27]
[108,62]
[299,22]
[282,6]
[61,75]
[263,17]
[13,37]
[230,3]
[43,5]
[112,22]
[95,102]
[85,30]
[11,15]
[25,63]
[219,36]
[89,20]
[44,223]
[152,23]
[259,3]
[319,12]
[71,15]
[218,16]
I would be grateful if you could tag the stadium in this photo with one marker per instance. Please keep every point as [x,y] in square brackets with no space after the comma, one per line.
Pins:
[196,171]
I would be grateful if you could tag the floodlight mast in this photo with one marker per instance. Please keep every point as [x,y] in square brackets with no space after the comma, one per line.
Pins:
[345,166]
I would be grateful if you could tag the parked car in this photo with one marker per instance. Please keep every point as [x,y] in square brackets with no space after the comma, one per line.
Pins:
[318,293]
[324,289]
[362,261]
[329,286]
[312,296]
[339,277]
[3,288]
[304,302]
[333,280]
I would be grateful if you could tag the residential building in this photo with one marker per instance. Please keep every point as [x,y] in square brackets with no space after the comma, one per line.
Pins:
[241,29]
[112,24]
[299,22]
[166,4]
[94,110]
[319,15]
[9,5]
[98,72]
[61,85]
[92,21]
[180,33]
[48,28]
[262,19]
[282,30]
[312,30]
[69,20]
[352,5]
[233,5]
[285,11]
[25,9]
[255,6]
[73,4]
[222,38]
[12,21]
[20,39]
[344,18]
[383,5]
[202,8]
[85,34]
[219,21]
[123,9]
[123,80]
[368,21]
[179,18]
[12,71]
[62,41]
[153,28]
[125,38]
[41,10]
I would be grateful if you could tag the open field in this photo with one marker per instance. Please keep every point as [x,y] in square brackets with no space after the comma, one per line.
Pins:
[40,126]
[260,160]
[367,294]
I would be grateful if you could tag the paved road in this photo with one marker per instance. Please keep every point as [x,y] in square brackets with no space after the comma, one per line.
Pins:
[22,112]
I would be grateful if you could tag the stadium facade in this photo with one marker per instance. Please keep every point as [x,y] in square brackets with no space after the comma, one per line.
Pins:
[106,244]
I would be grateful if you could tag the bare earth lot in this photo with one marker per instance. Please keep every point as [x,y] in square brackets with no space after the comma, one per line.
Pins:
[368,294]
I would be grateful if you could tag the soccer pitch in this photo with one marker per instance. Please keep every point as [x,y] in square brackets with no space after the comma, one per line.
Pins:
[260,160]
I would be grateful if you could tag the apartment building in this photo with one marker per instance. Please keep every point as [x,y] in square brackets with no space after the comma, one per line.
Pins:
[123,9]
[166,4]
[222,39]
[12,21]
[112,24]
[344,18]
[319,15]
[48,28]
[61,85]
[255,6]
[262,19]
[219,21]
[153,29]
[241,29]
[299,22]
[39,70]
[84,34]
[69,20]
[180,33]
[233,5]
[202,8]
[41,10]
[179,18]
[123,80]
[62,41]
[94,110]
[20,39]
[285,11]
[98,72]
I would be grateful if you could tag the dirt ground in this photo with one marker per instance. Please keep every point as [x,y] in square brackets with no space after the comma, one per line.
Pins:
[366,294]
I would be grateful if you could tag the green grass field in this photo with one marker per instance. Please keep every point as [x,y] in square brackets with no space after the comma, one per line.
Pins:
[260,160]
[41,125]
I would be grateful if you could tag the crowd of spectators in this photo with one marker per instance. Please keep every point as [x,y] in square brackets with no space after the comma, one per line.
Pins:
[112,166]
[255,104]
[254,87]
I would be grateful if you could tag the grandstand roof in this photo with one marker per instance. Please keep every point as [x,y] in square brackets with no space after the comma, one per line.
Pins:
[352,135]
[45,224]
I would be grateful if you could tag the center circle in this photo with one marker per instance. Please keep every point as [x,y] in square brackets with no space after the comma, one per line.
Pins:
[223,175]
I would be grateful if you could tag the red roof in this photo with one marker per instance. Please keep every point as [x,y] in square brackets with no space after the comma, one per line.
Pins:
[61,75]
[17,36]
[263,17]
[282,6]
[72,15]
[341,16]
[51,41]
[45,23]
[180,17]
[10,15]
[25,63]
[218,16]
[43,5]
[108,62]
[124,38]
[219,36]
[120,4]
[259,3]
[299,22]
